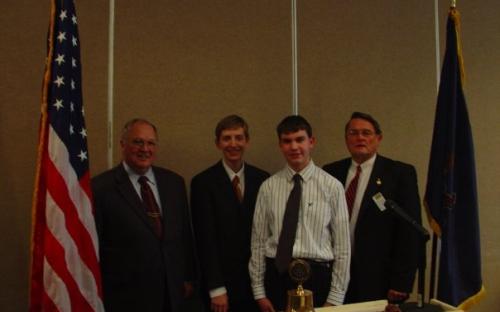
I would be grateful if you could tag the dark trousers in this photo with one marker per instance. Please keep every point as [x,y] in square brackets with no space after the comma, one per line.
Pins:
[277,285]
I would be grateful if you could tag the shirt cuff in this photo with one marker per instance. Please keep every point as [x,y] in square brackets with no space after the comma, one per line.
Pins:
[335,297]
[217,292]
[258,292]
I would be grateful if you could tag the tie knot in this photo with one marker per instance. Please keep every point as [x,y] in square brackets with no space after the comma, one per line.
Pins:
[297,178]
[143,180]
[358,169]
[236,179]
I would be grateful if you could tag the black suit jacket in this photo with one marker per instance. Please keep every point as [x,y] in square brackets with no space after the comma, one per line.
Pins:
[222,227]
[384,255]
[140,271]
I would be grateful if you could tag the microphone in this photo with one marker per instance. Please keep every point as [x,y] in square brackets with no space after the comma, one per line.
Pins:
[392,205]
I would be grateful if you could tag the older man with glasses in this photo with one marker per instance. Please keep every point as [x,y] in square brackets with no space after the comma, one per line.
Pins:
[384,247]
[142,220]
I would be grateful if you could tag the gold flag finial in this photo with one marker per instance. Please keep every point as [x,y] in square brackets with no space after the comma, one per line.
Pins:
[453,3]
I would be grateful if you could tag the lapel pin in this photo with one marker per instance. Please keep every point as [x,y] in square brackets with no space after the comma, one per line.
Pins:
[379,182]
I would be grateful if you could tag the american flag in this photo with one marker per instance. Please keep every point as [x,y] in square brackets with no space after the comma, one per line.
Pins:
[65,273]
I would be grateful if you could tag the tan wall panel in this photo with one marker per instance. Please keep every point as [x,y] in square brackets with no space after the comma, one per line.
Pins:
[185,66]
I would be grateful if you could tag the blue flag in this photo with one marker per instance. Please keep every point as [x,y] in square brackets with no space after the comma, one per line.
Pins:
[451,193]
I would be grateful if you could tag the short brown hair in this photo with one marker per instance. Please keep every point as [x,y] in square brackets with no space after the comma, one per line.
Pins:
[367,117]
[293,123]
[231,122]
[129,124]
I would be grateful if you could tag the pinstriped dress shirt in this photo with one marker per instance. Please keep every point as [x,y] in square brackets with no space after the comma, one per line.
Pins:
[322,231]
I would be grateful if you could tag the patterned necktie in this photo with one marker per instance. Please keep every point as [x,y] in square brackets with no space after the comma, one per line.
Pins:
[289,228]
[350,193]
[237,188]
[152,209]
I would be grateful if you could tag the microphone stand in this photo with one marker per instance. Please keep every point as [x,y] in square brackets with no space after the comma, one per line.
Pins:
[423,237]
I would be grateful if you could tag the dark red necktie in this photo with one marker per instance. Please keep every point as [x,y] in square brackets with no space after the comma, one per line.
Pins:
[152,209]
[289,228]
[237,188]
[350,193]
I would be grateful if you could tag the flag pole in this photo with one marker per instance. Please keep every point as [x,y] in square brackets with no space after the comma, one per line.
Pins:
[435,237]
[453,3]
[295,100]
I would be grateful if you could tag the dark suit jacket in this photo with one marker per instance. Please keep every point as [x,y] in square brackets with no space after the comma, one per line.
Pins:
[222,227]
[140,271]
[384,255]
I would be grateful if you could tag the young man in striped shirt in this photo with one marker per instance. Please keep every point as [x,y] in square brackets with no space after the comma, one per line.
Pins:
[321,234]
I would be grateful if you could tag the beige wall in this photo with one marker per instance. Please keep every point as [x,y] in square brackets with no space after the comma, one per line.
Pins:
[184,65]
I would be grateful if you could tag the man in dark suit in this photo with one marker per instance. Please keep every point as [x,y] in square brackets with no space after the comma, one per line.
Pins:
[145,242]
[384,247]
[222,201]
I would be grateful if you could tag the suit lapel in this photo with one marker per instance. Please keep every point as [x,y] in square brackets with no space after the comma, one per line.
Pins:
[373,186]
[251,187]
[166,197]
[343,169]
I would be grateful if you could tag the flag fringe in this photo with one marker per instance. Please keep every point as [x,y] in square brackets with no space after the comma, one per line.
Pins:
[42,133]
[455,16]
[432,222]
[472,300]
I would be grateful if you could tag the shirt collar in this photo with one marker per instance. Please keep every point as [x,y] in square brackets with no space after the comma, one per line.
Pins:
[306,173]
[231,173]
[366,164]
[134,176]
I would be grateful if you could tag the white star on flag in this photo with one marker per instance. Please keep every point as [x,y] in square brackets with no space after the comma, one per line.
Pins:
[59,59]
[82,155]
[63,15]
[59,81]
[61,37]
[83,133]
[58,104]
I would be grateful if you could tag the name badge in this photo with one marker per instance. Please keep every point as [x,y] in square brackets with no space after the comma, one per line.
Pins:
[379,201]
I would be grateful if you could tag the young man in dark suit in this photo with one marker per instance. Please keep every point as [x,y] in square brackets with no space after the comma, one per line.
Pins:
[222,202]
[384,247]
[142,219]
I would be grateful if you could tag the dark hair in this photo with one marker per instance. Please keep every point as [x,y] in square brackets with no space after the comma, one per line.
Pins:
[129,124]
[367,117]
[293,123]
[231,122]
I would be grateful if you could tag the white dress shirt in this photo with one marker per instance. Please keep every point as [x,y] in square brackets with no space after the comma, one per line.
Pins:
[322,230]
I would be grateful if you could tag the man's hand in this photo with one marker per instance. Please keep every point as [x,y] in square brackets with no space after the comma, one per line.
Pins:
[220,303]
[188,289]
[392,308]
[394,296]
[265,305]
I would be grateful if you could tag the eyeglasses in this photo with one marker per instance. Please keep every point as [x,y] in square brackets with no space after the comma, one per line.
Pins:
[363,132]
[141,143]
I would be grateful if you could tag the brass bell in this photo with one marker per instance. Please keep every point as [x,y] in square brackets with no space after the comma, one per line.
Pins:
[300,299]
